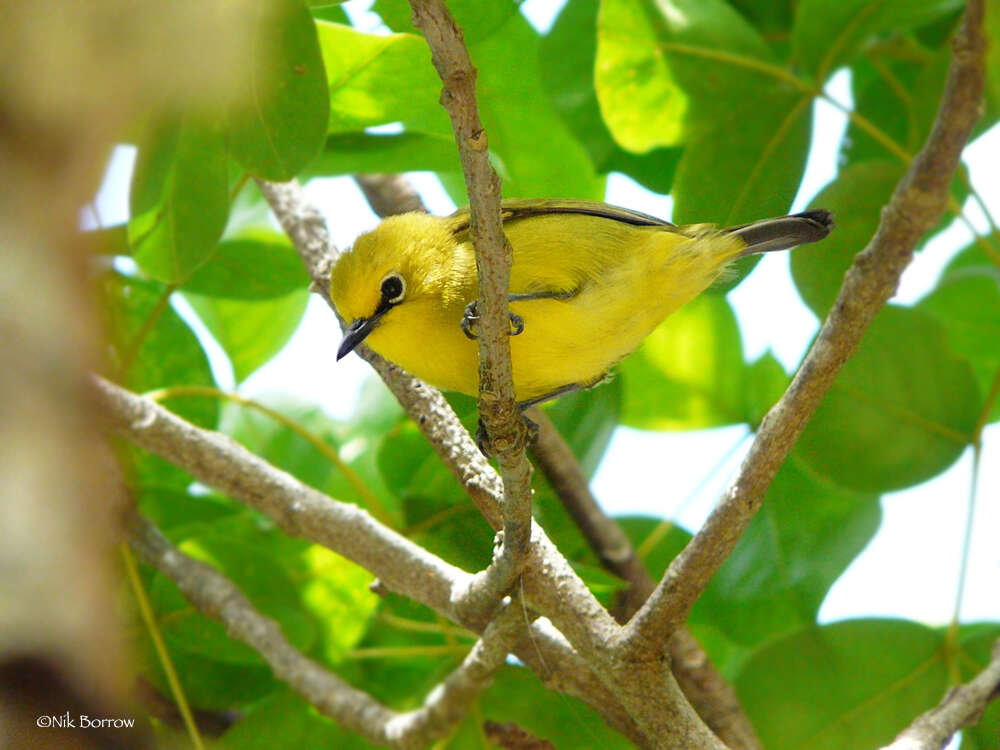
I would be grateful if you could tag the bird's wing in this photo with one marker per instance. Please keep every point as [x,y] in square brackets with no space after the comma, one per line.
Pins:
[516,208]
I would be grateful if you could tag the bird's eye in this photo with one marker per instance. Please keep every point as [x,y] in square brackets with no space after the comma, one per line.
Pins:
[393,288]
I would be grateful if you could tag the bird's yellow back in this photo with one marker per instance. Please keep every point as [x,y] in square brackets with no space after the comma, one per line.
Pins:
[625,279]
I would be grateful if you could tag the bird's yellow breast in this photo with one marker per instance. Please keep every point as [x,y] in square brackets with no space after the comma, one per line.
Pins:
[626,279]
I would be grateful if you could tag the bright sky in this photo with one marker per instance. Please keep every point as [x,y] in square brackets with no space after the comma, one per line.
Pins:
[909,570]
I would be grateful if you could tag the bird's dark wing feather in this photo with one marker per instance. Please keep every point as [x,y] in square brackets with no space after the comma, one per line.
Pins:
[513,209]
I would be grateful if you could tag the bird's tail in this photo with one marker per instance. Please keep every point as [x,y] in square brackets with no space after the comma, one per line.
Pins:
[784,232]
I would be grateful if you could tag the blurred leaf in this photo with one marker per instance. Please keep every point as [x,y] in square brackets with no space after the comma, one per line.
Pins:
[805,535]
[179,201]
[352,153]
[377,79]
[263,579]
[828,35]
[208,683]
[281,121]
[967,302]
[846,685]
[771,17]
[169,354]
[252,331]
[335,591]
[285,719]
[902,409]
[689,373]
[289,451]
[427,655]
[253,265]
[517,696]
[856,198]
[168,507]
[586,421]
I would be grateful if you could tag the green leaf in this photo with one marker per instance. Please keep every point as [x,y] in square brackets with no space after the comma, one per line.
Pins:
[764,154]
[681,71]
[251,332]
[766,382]
[280,122]
[256,264]
[689,373]
[902,409]
[828,35]
[567,55]
[518,696]
[428,654]
[262,578]
[774,18]
[663,66]
[586,421]
[848,685]
[208,683]
[285,719]
[169,354]
[967,303]
[352,153]
[439,516]
[806,534]
[290,451]
[379,79]
[336,593]
[168,507]
[179,201]
[539,155]
[856,198]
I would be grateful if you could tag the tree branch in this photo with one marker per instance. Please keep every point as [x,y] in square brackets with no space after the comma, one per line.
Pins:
[709,694]
[961,707]
[498,410]
[915,207]
[299,510]
[446,705]
[389,194]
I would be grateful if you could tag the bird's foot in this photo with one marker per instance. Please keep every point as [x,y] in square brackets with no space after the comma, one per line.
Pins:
[471,317]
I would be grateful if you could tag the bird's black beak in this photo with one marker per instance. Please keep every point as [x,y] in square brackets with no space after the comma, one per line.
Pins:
[356,333]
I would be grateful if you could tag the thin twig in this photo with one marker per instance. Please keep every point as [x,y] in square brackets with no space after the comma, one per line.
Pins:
[505,428]
[962,706]
[918,202]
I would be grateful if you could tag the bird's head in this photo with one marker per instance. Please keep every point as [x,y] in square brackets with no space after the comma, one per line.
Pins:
[397,262]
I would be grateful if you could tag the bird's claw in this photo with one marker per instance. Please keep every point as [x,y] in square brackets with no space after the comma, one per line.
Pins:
[471,316]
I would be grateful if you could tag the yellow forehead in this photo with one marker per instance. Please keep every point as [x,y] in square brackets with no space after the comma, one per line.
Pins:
[412,245]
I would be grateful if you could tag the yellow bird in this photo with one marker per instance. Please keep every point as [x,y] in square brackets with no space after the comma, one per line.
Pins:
[589,282]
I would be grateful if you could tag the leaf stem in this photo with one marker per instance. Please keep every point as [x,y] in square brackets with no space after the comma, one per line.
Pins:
[146,610]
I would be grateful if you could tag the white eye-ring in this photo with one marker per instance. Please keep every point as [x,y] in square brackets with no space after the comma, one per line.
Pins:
[393,288]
